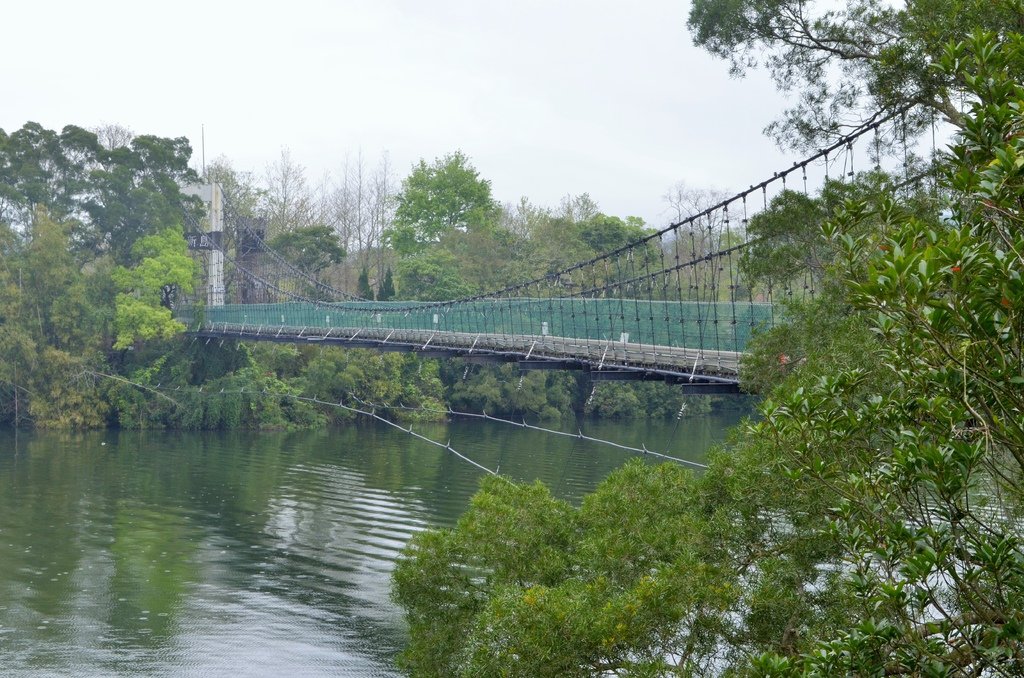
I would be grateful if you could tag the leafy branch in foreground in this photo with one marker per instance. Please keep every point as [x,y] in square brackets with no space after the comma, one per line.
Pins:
[927,473]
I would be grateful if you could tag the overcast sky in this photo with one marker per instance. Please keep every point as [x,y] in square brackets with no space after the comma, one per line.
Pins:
[547,97]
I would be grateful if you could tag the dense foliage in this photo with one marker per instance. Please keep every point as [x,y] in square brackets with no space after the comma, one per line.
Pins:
[867,525]
[71,215]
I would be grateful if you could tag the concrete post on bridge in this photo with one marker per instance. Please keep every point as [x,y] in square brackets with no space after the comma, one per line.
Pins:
[210,240]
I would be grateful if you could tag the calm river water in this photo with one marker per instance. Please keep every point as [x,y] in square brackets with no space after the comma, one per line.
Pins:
[169,554]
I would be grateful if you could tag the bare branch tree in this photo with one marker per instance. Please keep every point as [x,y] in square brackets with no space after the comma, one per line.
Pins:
[112,135]
[288,203]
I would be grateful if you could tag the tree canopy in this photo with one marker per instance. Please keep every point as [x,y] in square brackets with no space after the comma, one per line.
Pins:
[845,61]
[110,197]
[147,290]
[526,585]
[447,195]
[310,248]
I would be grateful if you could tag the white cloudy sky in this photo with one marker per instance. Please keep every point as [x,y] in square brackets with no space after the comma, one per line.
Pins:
[547,97]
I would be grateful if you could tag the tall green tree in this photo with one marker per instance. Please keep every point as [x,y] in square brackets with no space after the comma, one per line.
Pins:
[243,196]
[41,167]
[785,242]
[52,329]
[18,349]
[603,233]
[526,585]
[136,192]
[386,292]
[109,197]
[49,270]
[445,196]
[363,288]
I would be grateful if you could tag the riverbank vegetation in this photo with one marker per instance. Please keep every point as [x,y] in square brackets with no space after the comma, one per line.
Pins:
[868,524]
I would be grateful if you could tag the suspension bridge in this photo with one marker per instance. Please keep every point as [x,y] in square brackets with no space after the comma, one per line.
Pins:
[675,305]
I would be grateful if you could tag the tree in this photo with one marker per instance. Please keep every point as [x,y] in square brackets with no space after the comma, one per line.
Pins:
[40,167]
[504,391]
[526,585]
[432,275]
[364,290]
[288,202]
[602,233]
[578,232]
[785,241]
[487,256]
[52,328]
[576,208]
[52,274]
[387,288]
[147,290]
[109,197]
[243,195]
[523,218]
[19,351]
[381,378]
[845,63]
[309,248]
[113,136]
[361,205]
[135,192]
[926,471]
[436,199]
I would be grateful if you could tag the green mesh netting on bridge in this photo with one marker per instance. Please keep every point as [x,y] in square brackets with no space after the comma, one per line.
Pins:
[712,326]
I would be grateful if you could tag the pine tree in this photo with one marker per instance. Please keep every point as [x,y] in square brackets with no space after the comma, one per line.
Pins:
[387,288]
[364,290]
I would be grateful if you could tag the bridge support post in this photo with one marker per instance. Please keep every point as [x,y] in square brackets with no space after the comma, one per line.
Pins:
[213,198]
[215,274]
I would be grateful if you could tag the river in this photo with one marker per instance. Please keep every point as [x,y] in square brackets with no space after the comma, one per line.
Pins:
[250,554]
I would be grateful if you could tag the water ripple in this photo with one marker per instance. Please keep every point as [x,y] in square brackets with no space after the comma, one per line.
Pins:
[238,554]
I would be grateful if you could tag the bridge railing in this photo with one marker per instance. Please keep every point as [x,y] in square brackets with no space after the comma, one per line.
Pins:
[717,326]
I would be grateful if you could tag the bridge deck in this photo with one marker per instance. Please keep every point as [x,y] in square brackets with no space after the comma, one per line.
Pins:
[596,355]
